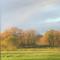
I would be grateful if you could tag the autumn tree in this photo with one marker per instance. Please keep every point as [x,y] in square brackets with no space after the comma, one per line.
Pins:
[27,38]
[53,37]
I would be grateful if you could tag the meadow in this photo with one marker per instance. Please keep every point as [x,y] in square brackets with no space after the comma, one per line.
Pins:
[32,54]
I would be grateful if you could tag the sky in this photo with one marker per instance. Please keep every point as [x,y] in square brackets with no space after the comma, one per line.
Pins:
[41,15]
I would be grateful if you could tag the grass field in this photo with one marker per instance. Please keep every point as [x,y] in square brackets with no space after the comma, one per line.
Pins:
[32,54]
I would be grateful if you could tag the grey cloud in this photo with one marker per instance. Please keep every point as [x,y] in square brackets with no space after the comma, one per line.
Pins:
[14,11]
[44,15]
[16,4]
[32,7]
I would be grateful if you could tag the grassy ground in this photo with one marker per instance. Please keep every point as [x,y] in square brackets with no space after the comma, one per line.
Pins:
[32,54]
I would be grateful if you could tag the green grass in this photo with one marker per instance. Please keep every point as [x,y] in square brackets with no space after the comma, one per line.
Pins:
[32,54]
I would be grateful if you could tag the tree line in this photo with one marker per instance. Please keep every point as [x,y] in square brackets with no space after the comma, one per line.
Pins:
[15,38]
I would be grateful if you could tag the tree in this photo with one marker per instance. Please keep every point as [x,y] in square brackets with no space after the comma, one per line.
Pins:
[27,38]
[53,38]
[50,37]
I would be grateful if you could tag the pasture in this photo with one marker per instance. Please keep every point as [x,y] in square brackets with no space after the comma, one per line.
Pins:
[32,54]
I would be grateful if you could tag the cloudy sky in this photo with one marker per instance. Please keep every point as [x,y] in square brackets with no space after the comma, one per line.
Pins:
[41,15]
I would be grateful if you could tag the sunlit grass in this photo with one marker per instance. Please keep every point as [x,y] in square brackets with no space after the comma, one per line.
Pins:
[32,54]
